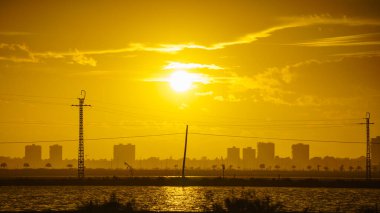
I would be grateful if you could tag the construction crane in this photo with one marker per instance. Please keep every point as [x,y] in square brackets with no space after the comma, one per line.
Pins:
[129,167]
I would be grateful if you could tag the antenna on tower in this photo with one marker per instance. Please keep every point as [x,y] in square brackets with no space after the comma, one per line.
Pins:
[81,140]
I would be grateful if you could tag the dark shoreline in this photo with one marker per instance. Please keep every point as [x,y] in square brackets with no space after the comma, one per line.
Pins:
[192,181]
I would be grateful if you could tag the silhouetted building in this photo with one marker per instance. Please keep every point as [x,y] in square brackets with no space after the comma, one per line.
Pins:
[233,156]
[33,155]
[249,156]
[55,155]
[152,163]
[375,151]
[265,153]
[300,155]
[124,154]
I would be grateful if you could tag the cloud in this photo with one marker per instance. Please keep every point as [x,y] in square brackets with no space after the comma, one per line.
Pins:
[288,22]
[16,53]
[326,19]
[350,40]
[194,78]
[209,93]
[188,66]
[83,57]
[92,73]
[269,86]
[84,60]
[228,98]
[366,54]
[21,53]
[310,83]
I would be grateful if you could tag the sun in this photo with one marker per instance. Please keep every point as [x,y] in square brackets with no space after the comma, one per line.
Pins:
[181,81]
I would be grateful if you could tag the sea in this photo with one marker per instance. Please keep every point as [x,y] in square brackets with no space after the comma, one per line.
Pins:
[189,199]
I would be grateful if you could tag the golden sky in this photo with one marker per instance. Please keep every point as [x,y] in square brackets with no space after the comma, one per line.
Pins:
[280,69]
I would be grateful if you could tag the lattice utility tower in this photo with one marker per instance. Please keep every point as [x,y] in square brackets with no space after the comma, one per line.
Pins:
[81,141]
[368,153]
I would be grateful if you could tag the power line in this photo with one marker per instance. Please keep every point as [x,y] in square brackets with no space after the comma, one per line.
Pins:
[269,125]
[35,101]
[88,139]
[193,133]
[218,124]
[35,96]
[177,123]
[223,117]
[270,138]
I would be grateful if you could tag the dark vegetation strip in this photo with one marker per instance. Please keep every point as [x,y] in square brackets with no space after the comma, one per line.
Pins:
[196,181]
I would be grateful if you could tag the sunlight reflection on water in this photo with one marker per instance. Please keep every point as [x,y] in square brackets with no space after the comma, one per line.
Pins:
[39,198]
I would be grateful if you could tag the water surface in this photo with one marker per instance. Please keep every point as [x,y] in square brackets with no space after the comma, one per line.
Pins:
[17,198]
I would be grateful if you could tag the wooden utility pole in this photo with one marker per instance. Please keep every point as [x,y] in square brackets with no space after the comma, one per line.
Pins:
[184,154]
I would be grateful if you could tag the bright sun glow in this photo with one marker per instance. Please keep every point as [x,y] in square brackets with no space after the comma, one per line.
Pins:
[181,81]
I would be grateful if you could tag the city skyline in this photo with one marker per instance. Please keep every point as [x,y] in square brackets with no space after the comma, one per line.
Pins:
[245,157]
[232,160]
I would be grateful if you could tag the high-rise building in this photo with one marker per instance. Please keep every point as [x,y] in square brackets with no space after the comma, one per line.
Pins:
[123,154]
[33,155]
[249,156]
[233,156]
[55,155]
[375,151]
[265,153]
[300,155]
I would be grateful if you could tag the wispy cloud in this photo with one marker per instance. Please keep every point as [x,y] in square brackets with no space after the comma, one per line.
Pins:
[189,66]
[209,93]
[22,53]
[180,75]
[268,86]
[193,77]
[326,19]
[92,73]
[228,98]
[83,57]
[84,60]
[16,53]
[350,40]
[14,33]
[375,53]
[288,22]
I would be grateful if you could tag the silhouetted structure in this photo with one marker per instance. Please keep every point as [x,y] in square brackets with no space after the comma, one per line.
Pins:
[184,153]
[33,155]
[265,153]
[81,141]
[300,155]
[375,151]
[249,156]
[55,155]
[124,153]
[368,153]
[233,156]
